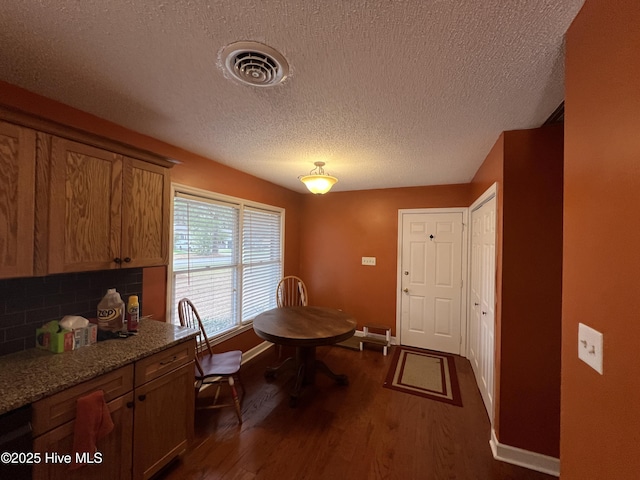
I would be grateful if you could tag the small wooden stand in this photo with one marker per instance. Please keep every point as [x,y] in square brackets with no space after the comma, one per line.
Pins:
[367,338]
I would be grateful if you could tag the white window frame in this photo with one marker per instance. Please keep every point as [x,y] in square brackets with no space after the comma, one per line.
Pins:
[208,195]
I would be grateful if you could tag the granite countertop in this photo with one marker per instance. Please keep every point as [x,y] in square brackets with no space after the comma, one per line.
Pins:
[34,374]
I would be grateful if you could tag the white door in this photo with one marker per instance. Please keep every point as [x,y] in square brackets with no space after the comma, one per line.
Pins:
[482,298]
[431,281]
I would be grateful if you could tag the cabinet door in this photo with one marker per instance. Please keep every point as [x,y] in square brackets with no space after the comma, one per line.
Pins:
[163,420]
[115,448]
[17,193]
[145,214]
[84,207]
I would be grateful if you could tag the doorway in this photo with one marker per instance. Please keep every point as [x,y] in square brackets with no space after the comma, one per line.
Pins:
[431,268]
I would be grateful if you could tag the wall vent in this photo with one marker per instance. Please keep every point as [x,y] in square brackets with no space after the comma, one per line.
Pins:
[254,64]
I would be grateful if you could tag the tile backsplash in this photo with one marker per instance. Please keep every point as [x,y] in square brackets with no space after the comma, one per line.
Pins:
[27,303]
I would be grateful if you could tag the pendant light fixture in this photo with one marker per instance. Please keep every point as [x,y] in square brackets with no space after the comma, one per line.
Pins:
[317,181]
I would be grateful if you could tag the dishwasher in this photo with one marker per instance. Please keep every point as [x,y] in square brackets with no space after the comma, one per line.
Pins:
[15,437]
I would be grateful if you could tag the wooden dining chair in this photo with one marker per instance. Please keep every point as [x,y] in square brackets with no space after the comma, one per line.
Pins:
[291,292]
[213,368]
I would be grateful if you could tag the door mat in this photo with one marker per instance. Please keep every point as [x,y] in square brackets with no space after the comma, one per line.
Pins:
[424,373]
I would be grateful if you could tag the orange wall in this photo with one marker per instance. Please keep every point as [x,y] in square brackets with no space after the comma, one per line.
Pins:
[530,325]
[340,228]
[491,170]
[527,164]
[600,422]
[154,293]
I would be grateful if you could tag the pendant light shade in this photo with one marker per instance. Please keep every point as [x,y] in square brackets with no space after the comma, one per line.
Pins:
[317,181]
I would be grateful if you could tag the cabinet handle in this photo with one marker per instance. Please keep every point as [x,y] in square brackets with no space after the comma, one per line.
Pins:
[142,398]
[127,259]
[167,362]
[129,404]
[117,260]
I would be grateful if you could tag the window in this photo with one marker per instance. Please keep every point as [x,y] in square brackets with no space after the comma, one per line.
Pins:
[227,258]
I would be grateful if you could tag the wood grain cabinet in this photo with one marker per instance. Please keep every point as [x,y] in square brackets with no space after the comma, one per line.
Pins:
[159,434]
[164,408]
[105,210]
[53,421]
[115,458]
[145,214]
[153,419]
[17,194]
[72,201]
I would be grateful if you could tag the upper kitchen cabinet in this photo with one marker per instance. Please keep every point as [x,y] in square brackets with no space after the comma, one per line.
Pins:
[73,201]
[105,210]
[17,193]
[145,214]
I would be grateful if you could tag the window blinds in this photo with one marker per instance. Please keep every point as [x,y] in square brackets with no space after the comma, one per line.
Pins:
[227,259]
[261,261]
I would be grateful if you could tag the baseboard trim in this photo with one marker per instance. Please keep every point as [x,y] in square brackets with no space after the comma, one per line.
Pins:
[255,351]
[524,458]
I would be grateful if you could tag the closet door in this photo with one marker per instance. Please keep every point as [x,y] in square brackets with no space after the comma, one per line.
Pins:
[482,308]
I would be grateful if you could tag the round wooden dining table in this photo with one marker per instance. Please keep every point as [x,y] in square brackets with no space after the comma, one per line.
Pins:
[304,328]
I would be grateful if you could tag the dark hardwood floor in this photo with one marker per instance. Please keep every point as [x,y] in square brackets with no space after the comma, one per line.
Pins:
[361,431]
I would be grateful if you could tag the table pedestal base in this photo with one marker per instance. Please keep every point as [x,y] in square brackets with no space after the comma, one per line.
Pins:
[306,366]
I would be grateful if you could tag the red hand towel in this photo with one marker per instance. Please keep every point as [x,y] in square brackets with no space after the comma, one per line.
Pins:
[93,421]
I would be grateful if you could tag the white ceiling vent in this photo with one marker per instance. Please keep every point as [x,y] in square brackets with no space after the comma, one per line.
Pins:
[254,63]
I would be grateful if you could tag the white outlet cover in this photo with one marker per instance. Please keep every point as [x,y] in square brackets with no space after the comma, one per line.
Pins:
[590,343]
[369,261]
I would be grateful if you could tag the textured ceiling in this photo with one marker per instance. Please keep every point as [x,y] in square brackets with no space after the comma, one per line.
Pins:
[387,93]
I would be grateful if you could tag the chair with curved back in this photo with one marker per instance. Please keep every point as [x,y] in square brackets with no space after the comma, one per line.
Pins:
[291,291]
[213,368]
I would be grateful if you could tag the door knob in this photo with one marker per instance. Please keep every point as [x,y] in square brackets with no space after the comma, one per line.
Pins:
[406,290]
[476,304]
[484,313]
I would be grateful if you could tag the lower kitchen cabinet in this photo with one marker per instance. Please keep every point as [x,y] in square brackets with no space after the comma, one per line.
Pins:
[159,434]
[115,448]
[153,419]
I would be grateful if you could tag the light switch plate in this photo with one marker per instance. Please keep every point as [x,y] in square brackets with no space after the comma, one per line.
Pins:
[590,344]
[371,261]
